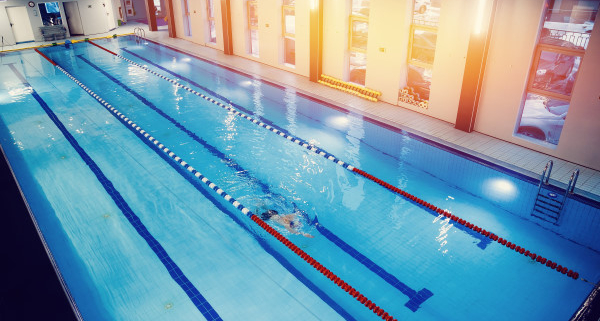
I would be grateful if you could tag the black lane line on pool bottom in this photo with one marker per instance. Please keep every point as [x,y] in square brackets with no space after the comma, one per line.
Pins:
[199,301]
[262,242]
[483,241]
[415,298]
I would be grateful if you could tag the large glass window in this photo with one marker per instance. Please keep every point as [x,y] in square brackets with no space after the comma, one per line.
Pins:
[421,52]
[289,32]
[359,34]
[564,36]
[210,14]
[50,12]
[187,22]
[253,27]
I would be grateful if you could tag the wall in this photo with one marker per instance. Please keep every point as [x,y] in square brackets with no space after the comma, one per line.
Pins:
[139,8]
[270,34]
[512,48]
[93,17]
[199,22]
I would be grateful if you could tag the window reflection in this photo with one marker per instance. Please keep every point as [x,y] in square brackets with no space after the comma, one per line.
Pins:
[290,51]
[360,33]
[358,67]
[543,118]
[252,14]
[556,72]
[361,7]
[423,46]
[419,79]
[569,23]
[289,21]
[427,12]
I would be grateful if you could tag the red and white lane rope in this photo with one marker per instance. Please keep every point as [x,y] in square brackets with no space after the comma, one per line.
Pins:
[521,250]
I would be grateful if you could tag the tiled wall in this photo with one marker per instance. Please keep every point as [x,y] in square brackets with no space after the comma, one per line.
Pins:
[578,223]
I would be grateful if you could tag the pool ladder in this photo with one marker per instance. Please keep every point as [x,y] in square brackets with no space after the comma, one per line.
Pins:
[548,204]
[139,33]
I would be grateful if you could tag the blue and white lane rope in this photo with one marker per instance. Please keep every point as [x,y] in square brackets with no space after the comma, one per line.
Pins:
[128,122]
[124,119]
[236,112]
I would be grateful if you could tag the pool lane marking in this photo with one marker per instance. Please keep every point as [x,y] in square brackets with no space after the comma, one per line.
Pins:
[415,298]
[176,274]
[276,255]
[483,241]
[441,212]
[247,212]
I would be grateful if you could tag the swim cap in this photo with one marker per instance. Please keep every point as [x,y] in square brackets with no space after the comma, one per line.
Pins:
[267,215]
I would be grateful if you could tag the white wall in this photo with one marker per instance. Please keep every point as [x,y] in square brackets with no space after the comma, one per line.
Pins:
[93,17]
[270,34]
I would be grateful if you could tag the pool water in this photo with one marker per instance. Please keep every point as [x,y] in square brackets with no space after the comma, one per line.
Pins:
[137,237]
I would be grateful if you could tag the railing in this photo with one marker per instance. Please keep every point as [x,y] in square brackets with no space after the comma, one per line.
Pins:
[572,182]
[139,33]
[546,173]
[577,39]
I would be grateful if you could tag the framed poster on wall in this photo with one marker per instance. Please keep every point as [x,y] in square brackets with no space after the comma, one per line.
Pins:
[129,8]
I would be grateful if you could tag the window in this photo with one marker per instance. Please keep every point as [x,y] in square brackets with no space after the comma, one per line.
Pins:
[157,6]
[421,51]
[253,27]
[210,14]
[50,12]
[563,40]
[359,34]
[289,32]
[187,23]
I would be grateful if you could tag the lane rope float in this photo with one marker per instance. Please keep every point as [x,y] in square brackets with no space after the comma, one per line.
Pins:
[247,212]
[319,151]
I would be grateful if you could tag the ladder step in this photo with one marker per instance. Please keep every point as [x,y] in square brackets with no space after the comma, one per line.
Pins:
[547,214]
[544,219]
[541,206]
[543,201]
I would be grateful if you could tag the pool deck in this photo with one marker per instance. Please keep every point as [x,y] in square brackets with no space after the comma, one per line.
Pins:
[515,157]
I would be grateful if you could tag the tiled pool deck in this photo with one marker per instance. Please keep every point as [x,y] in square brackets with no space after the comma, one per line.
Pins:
[509,155]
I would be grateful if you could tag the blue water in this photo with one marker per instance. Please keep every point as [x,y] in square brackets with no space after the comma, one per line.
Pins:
[120,267]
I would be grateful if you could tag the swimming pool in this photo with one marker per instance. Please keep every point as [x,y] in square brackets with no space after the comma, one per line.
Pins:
[138,236]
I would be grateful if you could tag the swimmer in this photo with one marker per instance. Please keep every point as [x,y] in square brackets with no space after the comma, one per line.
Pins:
[289,221]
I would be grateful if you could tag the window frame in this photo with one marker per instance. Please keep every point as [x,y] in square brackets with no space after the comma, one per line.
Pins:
[534,66]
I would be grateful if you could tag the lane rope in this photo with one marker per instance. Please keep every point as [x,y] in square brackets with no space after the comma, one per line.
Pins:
[319,151]
[247,212]
[416,298]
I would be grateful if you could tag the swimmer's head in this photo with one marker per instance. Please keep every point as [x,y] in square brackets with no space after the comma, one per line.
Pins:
[267,215]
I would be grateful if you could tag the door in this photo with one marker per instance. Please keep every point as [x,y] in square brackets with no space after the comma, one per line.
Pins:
[21,26]
[111,22]
[73,18]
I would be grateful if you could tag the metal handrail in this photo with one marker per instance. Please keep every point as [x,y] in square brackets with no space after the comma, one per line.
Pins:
[546,172]
[139,32]
[572,182]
